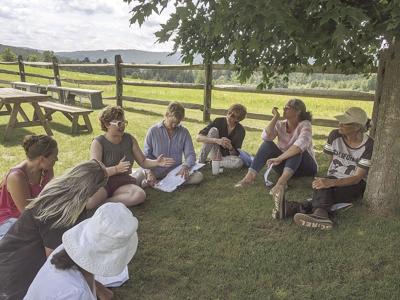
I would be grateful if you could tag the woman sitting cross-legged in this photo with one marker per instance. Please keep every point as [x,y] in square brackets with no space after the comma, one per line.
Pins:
[27,179]
[293,155]
[38,231]
[118,150]
[102,245]
[350,150]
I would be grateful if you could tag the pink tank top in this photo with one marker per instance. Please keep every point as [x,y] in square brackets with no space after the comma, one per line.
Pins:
[8,209]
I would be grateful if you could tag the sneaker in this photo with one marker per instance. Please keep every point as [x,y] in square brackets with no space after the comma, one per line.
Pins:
[313,221]
[278,212]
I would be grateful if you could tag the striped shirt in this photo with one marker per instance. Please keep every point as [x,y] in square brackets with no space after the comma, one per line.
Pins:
[300,137]
[158,142]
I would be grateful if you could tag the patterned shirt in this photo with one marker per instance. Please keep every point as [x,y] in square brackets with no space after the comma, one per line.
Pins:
[158,142]
[346,159]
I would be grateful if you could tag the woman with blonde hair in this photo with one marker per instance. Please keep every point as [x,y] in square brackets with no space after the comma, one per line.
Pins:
[59,206]
[27,179]
[118,150]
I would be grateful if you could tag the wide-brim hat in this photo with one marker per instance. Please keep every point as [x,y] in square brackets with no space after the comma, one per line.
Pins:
[353,115]
[105,243]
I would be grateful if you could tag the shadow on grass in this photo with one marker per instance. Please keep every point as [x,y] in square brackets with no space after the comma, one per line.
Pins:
[16,136]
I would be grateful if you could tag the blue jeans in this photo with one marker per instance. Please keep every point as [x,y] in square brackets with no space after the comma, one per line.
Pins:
[301,164]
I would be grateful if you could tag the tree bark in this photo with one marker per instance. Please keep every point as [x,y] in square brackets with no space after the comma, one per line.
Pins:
[383,186]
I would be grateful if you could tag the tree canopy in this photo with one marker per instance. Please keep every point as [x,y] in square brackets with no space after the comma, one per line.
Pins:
[276,36]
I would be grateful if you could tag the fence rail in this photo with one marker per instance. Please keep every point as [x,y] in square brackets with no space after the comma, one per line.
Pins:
[208,87]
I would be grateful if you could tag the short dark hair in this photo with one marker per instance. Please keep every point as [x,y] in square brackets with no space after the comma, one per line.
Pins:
[62,261]
[240,111]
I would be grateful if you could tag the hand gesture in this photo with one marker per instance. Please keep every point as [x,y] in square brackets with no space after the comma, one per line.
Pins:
[165,161]
[151,178]
[184,172]
[225,143]
[123,166]
[276,113]
[322,183]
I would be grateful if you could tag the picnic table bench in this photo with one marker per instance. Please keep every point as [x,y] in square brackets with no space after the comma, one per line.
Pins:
[67,95]
[29,87]
[72,113]
[12,100]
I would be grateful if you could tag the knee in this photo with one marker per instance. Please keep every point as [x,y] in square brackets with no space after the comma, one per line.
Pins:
[137,196]
[213,132]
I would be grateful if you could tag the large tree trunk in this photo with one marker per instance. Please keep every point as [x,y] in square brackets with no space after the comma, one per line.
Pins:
[383,186]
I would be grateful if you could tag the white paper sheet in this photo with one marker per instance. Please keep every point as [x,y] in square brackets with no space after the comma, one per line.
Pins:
[170,182]
[267,182]
[114,281]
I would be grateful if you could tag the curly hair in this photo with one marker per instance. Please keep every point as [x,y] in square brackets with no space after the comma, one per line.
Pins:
[38,145]
[109,114]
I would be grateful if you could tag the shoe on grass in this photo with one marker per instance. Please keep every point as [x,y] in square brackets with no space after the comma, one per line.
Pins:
[278,212]
[313,221]
[243,183]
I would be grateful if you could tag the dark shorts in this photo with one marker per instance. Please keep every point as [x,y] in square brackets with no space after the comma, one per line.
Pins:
[116,181]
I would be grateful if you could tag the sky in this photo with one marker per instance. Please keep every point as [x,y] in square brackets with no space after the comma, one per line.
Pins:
[72,25]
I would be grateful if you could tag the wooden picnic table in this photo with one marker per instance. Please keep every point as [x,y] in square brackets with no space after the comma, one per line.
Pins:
[12,100]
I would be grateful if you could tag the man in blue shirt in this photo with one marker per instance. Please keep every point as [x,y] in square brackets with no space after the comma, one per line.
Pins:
[171,139]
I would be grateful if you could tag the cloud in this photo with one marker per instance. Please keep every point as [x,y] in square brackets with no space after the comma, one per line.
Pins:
[70,25]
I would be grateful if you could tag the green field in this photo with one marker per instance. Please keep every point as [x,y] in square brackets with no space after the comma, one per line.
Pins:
[216,242]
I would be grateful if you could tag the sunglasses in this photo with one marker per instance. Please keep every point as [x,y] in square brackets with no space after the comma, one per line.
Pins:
[119,123]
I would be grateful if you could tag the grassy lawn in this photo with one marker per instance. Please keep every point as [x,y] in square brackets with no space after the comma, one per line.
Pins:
[216,242]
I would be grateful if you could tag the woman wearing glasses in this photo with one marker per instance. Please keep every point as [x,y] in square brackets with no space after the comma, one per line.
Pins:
[118,150]
[292,155]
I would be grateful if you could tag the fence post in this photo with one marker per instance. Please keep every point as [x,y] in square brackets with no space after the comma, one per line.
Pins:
[207,92]
[21,68]
[56,71]
[118,79]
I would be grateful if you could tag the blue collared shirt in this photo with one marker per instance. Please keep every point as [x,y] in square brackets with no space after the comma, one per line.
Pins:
[158,142]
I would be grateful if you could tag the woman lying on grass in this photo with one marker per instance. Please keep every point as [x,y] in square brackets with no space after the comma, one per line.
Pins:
[350,151]
[27,179]
[118,150]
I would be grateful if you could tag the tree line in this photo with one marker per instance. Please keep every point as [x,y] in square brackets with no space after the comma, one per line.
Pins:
[365,83]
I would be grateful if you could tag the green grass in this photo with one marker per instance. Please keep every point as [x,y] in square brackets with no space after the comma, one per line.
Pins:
[215,242]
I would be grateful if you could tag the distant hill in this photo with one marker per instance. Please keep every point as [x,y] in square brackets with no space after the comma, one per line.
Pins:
[25,52]
[128,55]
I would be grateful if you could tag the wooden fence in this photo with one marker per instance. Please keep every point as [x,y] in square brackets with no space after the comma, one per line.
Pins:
[207,87]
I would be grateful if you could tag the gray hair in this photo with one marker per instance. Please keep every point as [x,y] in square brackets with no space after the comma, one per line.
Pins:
[65,197]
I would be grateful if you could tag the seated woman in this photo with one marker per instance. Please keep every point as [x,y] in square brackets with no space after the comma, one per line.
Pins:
[27,179]
[293,155]
[38,231]
[118,150]
[223,137]
[350,151]
[102,245]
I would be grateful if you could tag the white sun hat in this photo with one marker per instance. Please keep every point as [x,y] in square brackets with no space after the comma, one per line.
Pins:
[105,243]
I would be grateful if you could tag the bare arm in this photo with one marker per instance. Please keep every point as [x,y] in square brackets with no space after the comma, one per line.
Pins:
[324,183]
[147,163]
[19,190]
[292,151]
[270,129]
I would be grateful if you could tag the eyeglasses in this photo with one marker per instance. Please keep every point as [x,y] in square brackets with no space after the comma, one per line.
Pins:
[287,107]
[119,123]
